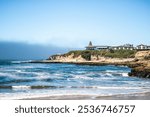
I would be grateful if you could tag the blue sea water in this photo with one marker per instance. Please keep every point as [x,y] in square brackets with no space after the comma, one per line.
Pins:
[24,80]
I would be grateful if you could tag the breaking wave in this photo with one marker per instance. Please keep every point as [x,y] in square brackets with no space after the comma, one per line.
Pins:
[22,78]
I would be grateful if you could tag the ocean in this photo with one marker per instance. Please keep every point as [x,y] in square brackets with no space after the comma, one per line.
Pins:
[19,80]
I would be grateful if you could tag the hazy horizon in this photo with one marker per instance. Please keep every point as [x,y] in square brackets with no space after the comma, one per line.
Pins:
[25,51]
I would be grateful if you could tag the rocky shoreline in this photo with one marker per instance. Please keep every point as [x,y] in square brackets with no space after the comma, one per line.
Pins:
[140,64]
[141,71]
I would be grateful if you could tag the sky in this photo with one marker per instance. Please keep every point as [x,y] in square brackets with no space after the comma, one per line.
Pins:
[73,23]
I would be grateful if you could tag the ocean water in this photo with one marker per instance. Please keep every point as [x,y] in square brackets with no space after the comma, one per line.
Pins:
[25,80]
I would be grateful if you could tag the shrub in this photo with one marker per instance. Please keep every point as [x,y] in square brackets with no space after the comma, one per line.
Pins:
[86,54]
[121,54]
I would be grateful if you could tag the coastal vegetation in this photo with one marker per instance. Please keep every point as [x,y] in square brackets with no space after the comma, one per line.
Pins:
[86,54]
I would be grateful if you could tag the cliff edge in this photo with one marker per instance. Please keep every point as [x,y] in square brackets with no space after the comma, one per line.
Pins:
[138,61]
[142,65]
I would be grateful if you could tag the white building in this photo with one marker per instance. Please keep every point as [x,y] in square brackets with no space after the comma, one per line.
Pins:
[90,46]
[142,47]
[122,47]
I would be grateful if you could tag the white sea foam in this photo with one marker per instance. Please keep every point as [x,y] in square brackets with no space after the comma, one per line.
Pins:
[80,72]
[105,78]
[73,83]
[23,87]
[125,74]
[8,75]
[19,71]
[109,74]
[21,61]
[111,71]
[16,61]
[82,77]
[25,67]
[42,75]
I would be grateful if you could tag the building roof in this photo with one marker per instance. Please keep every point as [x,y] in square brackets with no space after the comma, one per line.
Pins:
[125,45]
[90,47]
[141,45]
[121,46]
[128,45]
[102,46]
[90,43]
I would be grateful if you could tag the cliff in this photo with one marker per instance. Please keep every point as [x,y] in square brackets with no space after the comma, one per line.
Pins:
[95,56]
[138,61]
[142,65]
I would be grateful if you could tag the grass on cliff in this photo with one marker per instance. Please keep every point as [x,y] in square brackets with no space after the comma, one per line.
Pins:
[86,54]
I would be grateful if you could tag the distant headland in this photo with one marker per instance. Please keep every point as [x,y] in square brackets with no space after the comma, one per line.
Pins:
[137,58]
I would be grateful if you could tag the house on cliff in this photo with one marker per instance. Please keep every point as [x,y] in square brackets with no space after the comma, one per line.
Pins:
[121,47]
[91,47]
[142,47]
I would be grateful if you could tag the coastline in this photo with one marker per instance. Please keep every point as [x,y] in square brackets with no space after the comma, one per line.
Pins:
[139,62]
[139,68]
[134,96]
[124,62]
[142,95]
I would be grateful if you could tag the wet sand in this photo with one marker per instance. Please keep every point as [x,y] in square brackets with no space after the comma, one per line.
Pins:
[135,96]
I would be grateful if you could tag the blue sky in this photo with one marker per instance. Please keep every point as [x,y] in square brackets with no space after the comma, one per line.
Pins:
[73,23]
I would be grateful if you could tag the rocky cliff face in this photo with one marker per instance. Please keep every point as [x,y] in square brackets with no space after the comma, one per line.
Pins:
[140,64]
[142,67]
[142,55]
[69,58]
[93,58]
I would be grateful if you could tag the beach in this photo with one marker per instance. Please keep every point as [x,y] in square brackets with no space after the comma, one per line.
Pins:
[135,96]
